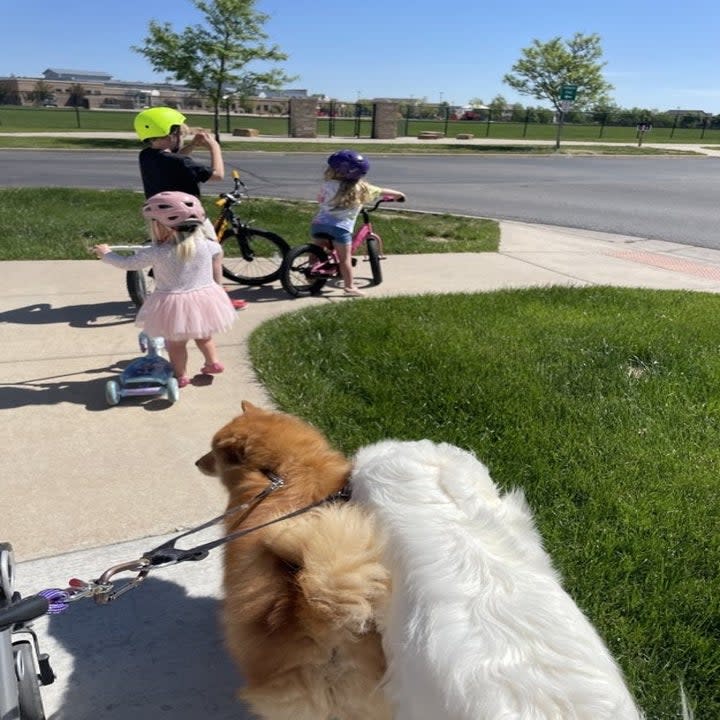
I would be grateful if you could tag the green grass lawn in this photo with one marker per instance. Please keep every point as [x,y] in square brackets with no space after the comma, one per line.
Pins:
[61,224]
[601,403]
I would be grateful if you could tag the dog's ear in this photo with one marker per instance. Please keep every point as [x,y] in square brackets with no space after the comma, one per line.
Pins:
[248,407]
[229,452]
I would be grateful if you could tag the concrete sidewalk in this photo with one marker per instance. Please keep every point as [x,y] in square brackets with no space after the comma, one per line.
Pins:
[91,486]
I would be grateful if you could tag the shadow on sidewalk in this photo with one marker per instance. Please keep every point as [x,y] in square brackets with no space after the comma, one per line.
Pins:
[257,293]
[155,652]
[77,316]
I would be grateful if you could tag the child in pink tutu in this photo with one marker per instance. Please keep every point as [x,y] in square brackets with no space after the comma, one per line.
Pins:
[188,302]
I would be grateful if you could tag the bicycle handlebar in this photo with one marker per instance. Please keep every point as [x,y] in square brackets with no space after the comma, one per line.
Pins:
[125,248]
[383,199]
[23,611]
[239,190]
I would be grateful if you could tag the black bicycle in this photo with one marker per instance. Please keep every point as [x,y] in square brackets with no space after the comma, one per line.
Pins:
[251,256]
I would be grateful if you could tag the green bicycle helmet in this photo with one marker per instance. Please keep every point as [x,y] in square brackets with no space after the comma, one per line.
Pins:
[156,122]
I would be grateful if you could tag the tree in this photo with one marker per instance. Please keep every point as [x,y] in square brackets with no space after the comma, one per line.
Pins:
[77,95]
[498,107]
[519,113]
[213,59]
[9,93]
[40,93]
[545,67]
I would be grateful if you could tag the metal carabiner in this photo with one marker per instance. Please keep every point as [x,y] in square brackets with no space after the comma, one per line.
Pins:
[107,591]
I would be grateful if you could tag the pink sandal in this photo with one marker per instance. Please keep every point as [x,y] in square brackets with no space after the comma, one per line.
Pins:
[183,381]
[212,368]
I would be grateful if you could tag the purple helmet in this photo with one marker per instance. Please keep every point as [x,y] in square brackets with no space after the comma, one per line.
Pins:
[348,164]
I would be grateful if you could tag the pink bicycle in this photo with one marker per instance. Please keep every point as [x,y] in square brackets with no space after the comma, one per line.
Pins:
[306,268]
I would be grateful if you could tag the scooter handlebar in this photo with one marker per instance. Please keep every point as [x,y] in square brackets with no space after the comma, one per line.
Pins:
[23,611]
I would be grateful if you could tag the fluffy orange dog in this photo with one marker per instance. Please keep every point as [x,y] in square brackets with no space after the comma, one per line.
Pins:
[303,595]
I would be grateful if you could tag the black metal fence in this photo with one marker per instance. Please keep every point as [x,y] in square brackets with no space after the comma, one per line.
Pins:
[541,123]
[345,119]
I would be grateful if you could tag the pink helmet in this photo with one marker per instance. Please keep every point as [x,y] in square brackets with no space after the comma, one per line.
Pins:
[174,209]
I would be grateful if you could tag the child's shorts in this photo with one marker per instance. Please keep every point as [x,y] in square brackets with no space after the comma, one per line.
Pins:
[339,235]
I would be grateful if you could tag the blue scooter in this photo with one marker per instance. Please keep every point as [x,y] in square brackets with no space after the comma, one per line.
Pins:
[148,375]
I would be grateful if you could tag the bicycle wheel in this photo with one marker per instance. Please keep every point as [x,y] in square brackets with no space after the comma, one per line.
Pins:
[373,251]
[252,256]
[29,698]
[140,284]
[296,275]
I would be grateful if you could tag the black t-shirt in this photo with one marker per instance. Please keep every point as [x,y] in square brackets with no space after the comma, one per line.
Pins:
[161,171]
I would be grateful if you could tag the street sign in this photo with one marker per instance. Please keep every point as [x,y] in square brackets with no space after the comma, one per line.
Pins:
[566,105]
[568,92]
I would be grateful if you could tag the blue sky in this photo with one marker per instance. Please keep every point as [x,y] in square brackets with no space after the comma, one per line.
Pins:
[658,56]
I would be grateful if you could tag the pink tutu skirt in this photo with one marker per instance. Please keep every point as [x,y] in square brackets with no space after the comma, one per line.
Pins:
[189,315]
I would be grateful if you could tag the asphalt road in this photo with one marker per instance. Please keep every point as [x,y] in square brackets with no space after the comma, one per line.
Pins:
[663,198]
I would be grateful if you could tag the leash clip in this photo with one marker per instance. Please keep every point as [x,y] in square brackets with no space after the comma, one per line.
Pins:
[105,590]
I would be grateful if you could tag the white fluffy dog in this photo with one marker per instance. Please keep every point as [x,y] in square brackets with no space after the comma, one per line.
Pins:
[479,626]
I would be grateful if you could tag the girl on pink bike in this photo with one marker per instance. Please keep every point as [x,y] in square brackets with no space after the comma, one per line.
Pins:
[341,196]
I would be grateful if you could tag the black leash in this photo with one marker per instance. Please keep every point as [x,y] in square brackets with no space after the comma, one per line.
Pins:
[167,554]
[103,590]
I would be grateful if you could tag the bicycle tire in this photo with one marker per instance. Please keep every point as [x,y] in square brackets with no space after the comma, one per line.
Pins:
[255,257]
[295,277]
[139,284]
[30,702]
[373,251]
[136,287]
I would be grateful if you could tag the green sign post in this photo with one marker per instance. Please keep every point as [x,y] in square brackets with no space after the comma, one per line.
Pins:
[567,95]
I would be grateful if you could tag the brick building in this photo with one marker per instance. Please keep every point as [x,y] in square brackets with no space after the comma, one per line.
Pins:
[100,91]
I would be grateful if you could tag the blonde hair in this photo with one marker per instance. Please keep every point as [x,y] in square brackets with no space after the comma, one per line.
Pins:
[351,193]
[183,240]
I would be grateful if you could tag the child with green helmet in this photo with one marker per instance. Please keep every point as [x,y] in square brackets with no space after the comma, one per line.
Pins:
[165,161]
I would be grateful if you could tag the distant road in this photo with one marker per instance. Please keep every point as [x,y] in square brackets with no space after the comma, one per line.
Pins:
[665,198]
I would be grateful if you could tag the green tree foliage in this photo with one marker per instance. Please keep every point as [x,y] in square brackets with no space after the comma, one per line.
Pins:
[8,93]
[545,67]
[214,58]
[499,107]
[40,93]
[77,95]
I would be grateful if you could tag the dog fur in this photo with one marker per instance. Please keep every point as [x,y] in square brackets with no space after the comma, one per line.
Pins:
[302,596]
[478,626]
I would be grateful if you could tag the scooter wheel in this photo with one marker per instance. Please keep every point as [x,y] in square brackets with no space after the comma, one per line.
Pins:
[173,390]
[29,698]
[112,392]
